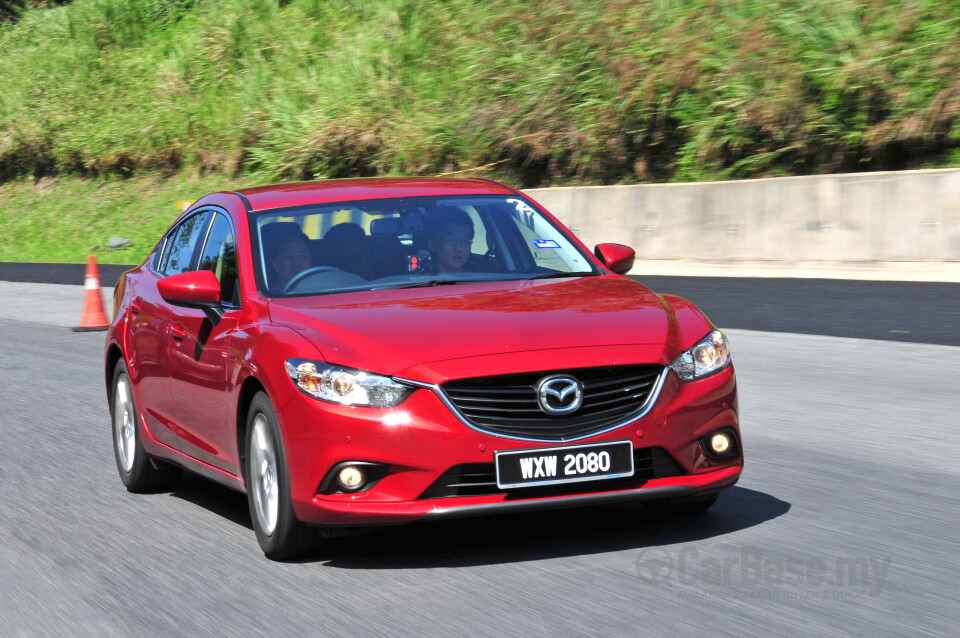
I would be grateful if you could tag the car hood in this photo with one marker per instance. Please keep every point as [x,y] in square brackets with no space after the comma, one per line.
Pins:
[431,334]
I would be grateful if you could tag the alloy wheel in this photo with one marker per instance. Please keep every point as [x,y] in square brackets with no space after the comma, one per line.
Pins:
[263,475]
[124,422]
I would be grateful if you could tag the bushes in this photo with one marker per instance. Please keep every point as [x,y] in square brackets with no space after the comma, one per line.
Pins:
[587,92]
[10,10]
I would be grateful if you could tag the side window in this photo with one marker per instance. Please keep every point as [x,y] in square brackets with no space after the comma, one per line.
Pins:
[479,231]
[543,257]
[547,246]
[182,243]
[158,254]
[219,256]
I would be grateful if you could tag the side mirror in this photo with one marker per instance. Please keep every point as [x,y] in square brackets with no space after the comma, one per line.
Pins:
[197,289]
[616,257]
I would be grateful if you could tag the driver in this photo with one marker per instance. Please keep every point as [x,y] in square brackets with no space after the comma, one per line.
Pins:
[450,239]
[292,256]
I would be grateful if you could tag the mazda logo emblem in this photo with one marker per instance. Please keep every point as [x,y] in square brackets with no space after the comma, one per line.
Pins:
[559,394]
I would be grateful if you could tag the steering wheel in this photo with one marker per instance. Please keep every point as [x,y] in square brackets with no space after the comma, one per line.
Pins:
[303,274]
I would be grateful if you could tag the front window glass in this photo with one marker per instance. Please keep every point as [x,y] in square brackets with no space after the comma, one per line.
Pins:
[400,243]
[180,247]
[220,257]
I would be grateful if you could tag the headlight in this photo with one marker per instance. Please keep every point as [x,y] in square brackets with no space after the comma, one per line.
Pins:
[345,385]
[710,355]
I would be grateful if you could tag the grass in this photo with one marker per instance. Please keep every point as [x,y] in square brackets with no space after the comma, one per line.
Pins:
[592,92]
[65,219]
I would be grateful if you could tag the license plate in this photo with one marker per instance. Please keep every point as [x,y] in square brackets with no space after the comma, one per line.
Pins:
[553,465]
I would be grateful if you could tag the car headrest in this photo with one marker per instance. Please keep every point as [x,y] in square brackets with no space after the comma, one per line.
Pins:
[346,232]
[277,232]
[396,226]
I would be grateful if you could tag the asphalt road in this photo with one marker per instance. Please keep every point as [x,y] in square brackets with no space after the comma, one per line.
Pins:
[64,274]
[844,523]
[913,312]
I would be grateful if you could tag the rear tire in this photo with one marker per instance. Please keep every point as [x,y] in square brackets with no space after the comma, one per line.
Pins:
[138,470]
[280,534]
[690,506]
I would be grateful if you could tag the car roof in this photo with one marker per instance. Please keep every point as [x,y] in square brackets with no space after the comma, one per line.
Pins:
[339,190]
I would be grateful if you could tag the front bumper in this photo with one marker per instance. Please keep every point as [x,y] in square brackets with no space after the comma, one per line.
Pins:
[421,439]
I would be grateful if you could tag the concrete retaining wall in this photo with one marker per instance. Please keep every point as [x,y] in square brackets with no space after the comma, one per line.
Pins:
[907,222]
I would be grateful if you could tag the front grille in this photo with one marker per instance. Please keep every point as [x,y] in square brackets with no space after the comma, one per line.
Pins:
[480,479]
[507,405]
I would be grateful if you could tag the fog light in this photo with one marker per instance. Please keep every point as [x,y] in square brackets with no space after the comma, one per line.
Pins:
[350,478]
[720,443]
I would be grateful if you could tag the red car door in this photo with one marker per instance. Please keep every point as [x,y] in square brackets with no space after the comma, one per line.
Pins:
[153,330]
[148,330]
[201,358]
[199,361]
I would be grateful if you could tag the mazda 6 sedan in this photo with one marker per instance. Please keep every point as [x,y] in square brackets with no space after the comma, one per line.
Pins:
[353,353]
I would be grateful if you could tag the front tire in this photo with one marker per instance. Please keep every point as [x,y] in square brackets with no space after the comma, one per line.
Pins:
[280,534]
[138,471]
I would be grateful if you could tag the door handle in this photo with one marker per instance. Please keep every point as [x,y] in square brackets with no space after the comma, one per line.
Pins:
[178,334]
[135,307]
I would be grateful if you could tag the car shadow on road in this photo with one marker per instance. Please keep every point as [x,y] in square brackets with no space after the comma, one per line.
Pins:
[548,534]
[216,498]
[508,538]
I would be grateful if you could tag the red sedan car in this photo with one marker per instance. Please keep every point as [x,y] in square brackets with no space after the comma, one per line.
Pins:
[374,351]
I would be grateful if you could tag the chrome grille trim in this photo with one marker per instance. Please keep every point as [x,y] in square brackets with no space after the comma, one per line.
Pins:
[642,412]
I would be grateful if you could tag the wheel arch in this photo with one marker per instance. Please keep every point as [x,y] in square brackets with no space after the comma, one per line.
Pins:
[114,354]
[249,389]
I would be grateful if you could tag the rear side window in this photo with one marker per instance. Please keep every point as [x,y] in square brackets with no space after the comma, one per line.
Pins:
[158,255]
[219,256]
[479,231]
[182,243]
[547,246]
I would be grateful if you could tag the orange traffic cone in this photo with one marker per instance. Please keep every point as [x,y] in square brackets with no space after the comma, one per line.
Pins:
[93,316]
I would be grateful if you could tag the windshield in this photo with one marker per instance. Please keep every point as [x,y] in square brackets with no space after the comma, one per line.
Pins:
[401,243]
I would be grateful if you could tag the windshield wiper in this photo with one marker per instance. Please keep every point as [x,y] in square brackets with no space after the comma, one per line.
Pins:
[425,284]
[429,283]
[559,275]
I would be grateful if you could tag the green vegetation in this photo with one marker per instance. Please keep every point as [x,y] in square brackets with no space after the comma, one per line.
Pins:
[552,92]
[65,219]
